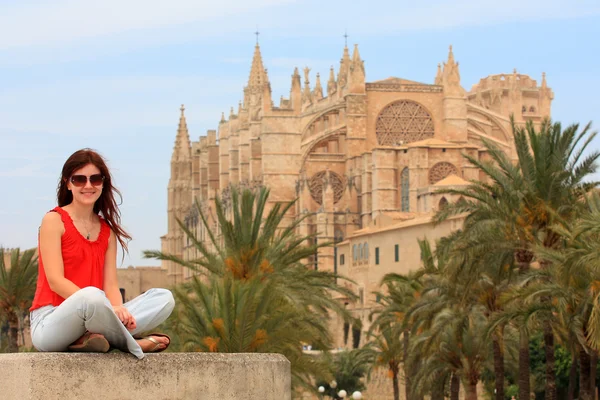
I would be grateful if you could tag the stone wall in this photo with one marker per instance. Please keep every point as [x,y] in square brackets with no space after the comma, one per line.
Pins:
[166,376]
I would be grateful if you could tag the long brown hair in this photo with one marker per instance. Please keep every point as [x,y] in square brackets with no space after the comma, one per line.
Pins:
[106,204]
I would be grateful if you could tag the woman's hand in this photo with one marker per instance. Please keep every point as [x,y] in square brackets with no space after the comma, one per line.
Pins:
[125,317]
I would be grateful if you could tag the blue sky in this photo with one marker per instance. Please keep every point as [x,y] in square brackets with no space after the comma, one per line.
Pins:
[112,75]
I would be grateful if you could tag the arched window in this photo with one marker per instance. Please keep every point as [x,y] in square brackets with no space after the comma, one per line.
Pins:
[404,189]
[443,203]
[532,109]
[354,253]
[441,170]
[366,249]
[360,252]
[524,109]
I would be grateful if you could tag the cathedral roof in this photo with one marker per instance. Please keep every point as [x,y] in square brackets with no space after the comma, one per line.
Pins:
[399,81]
[452,180]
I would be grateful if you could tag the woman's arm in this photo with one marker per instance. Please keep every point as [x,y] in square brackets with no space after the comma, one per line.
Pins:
[51,232]
[111,285]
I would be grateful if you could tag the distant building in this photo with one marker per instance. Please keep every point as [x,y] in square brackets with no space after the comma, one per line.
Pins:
[135,281]
[364,159]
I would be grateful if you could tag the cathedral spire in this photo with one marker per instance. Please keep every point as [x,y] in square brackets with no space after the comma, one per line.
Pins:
[182,148]
[296,91]
[451,76]
[438,76]
[331,85]
[318,88]
[306,94]
[544,83]
[450,55]
[357,73]
[258,75]
[344,68]
[356,55]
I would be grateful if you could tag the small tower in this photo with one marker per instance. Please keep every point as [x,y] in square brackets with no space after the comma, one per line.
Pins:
[454,103]
[451,77]
[357,73]
[258,91]
[331,85]
[296,91]
[306,93]
[318,92]
[438,76]
[179,198]
[344,69]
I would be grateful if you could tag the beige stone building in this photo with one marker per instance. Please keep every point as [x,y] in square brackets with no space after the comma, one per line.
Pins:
[364,159]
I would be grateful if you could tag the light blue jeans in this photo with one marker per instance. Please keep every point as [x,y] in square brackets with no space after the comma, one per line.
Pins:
[55,328]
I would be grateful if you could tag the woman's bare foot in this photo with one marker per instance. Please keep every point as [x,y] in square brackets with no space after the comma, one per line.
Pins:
[148,346]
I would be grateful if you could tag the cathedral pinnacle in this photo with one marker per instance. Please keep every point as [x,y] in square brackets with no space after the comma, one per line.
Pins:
[331,85]
[258,75]
[450,55]
[356,55]
[544,83]
[318,88]
[451,77]
[182,146]
[438,76]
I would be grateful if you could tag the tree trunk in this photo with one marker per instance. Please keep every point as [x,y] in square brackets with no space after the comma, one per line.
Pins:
[437,391]
[593,369]
[550,367]
[454,387]
[572,378]
[584,376]
[396,386]
[407,369]
[499,364]
[471,393]
[13,332]
[524,382]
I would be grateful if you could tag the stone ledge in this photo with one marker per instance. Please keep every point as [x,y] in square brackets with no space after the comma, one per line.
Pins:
[165,376]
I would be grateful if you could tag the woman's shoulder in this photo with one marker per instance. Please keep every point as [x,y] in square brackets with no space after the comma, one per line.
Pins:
[52,221]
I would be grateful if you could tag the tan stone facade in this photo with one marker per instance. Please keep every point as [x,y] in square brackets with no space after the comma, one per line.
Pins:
[364,159]
[351,151]
[135,281]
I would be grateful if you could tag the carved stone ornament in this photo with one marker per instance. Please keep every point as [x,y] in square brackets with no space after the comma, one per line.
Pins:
[316,184]
[403,122]
[441,170]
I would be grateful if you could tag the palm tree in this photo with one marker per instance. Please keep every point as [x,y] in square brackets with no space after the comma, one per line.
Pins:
[522,202]
[390,330]
[349,368]
[254,292]
[17,288]
[232,316]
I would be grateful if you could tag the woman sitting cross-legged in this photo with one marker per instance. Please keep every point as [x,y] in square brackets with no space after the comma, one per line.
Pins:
[77,304]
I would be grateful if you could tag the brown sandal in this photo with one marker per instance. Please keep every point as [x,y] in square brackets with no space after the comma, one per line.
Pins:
[156,348]
[96,344]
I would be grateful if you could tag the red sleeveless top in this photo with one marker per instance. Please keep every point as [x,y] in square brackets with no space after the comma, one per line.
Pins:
[83,261]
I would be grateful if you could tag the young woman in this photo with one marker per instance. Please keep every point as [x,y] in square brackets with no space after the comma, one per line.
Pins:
[77,304]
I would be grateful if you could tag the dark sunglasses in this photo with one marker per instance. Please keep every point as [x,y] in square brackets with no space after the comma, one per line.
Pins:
[81,180]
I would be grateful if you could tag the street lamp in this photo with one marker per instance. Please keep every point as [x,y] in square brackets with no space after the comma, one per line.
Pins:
[342,393]
[321,390]
[357,395]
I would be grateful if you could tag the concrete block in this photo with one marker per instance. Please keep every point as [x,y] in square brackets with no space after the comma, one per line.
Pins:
[165,376]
